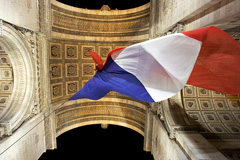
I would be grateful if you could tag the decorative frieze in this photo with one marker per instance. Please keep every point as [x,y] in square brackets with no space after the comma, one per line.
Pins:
[73,23]
[100,34]
[138,13]
[130,115]
[30,37]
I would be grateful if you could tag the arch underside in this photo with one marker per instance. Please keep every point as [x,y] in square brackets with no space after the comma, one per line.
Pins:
[74,32]
[115,111]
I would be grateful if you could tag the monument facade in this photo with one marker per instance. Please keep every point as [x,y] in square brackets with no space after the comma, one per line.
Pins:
[44,61]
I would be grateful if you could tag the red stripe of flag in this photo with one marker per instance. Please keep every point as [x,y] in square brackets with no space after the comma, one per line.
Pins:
[218,64]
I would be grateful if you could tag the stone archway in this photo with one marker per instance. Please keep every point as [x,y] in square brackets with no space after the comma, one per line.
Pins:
[21,101]
[122,112]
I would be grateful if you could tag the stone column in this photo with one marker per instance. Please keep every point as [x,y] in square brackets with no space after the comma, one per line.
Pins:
[27,143]
[148,129]
[162,146]
[1,28]
[197,147]
[156,138]
[152,18]
[44,36]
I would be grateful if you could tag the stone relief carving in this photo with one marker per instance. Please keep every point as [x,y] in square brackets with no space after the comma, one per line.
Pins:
[6,87]
[85,49]
[71,52]
[72,87]
[22,47]
[70,23]
[6,80]
[60,20]
[32,42]
[55,51]
[33,111]
[88,69]
[72,70]
[7,130]
[3,100]
[211,109]
[82,112]
[30,37]
[56,71]
[57,90]
[160,110]
[96,16]
[104,51]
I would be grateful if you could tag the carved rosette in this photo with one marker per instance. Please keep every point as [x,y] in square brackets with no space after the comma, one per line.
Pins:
[88,69]
[104,51]
[71,52]
[55,50]
[85,53]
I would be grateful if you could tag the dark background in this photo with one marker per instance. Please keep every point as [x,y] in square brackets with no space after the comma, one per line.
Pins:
[113,4]
[94,143]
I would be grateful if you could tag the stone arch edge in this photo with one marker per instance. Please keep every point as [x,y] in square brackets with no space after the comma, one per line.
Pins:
[22,98]
[92,122]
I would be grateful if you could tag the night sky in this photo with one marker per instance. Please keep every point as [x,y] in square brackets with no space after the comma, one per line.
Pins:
[113,4]
[94,143]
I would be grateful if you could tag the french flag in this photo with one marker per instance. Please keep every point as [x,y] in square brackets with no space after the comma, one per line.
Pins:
[157,69]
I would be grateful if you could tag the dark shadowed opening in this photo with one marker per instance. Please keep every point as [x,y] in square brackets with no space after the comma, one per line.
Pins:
[97,4]
[92,142]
